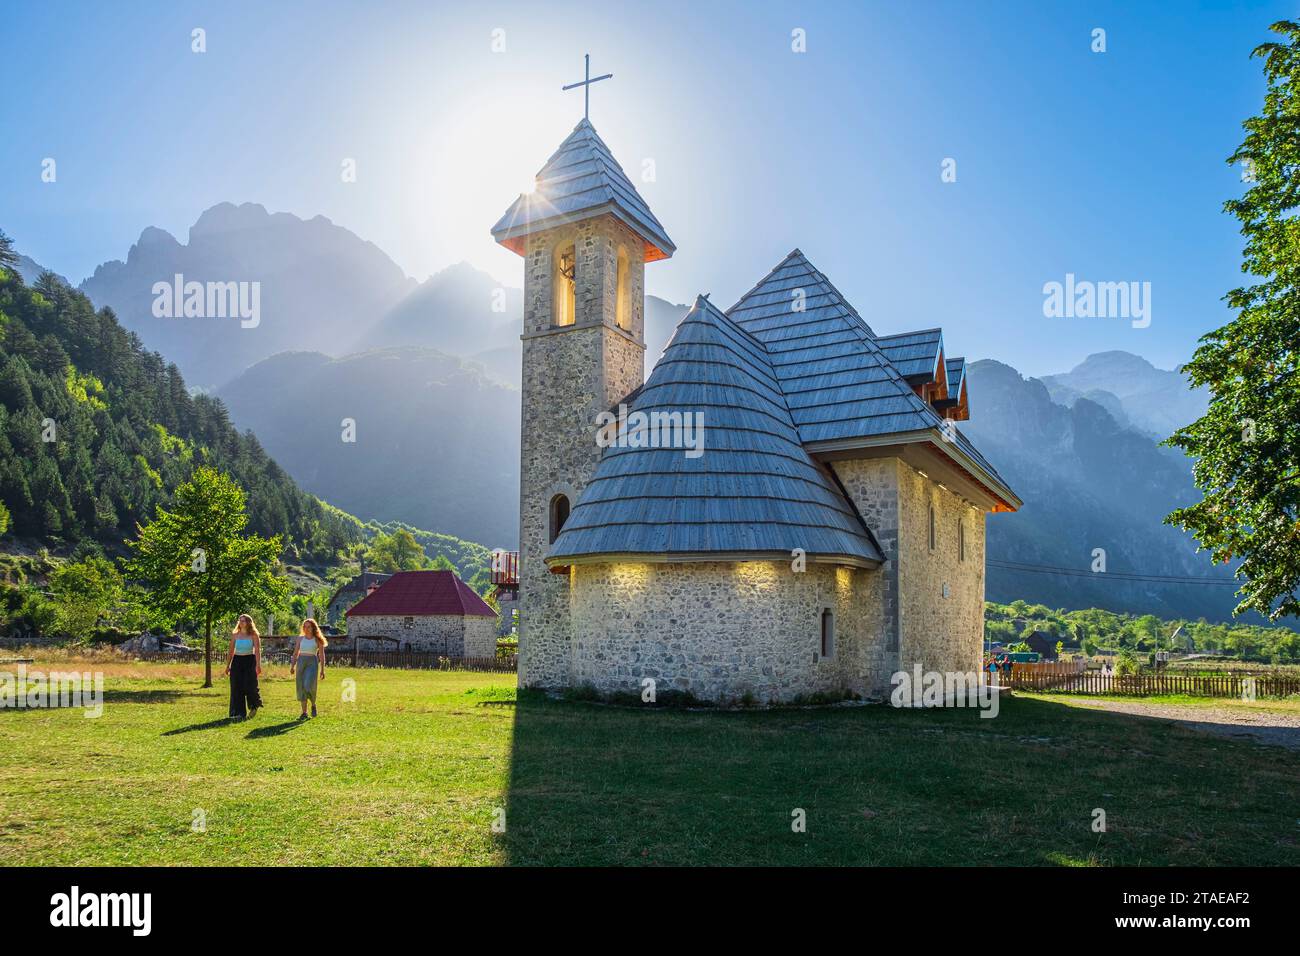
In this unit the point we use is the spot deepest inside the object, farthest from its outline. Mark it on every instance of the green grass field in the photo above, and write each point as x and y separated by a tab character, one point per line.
414	771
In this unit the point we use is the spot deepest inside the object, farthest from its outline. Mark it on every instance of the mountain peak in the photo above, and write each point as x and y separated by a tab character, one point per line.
227	217
1113	361
153	236
319	282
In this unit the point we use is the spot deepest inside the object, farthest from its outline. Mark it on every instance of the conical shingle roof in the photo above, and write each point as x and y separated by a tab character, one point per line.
753	492
582	180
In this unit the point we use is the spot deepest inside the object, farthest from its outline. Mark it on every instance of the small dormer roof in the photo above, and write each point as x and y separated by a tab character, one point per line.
916	355
582	180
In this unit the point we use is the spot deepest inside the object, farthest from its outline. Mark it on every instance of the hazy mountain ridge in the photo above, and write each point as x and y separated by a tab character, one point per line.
1155	401
436	440
322	286
318	282
1087	482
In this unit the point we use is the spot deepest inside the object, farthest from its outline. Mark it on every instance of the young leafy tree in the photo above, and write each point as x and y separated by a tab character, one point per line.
83	592
1247	444
398	551
197	564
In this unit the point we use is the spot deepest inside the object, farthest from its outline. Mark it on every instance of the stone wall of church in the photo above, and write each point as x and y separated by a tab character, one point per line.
933	600
570	375
450	634
721	630
872	484
941	595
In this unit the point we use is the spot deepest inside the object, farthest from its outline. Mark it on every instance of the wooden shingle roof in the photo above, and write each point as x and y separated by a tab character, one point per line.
582	180
754	492
840	384
789	371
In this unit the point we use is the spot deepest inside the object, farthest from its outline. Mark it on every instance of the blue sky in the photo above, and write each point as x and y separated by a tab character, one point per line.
1108	165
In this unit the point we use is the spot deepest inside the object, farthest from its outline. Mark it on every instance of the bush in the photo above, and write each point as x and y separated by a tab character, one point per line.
1126	665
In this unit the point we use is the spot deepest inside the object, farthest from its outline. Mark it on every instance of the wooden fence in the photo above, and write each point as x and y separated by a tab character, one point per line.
1053	678
421	660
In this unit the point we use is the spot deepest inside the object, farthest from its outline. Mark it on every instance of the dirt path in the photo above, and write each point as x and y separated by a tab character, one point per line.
1272	727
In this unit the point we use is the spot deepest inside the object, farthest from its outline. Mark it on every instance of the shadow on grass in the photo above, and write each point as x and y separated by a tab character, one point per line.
208	725
879	786
274	730
119	697
147	696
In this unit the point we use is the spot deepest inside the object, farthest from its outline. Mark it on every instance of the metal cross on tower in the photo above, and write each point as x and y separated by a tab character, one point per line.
586	85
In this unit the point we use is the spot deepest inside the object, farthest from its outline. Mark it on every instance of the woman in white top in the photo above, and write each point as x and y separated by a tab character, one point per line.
309	663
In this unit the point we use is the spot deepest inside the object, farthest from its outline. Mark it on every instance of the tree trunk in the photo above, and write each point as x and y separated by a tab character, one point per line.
207	654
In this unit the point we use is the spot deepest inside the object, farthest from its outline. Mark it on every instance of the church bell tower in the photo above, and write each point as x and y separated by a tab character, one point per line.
585	235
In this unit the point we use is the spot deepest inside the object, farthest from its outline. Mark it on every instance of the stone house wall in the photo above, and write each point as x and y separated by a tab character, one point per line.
480	636
451	634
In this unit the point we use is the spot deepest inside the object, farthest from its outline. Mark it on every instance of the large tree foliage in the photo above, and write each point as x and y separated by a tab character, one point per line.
197	563
1247	444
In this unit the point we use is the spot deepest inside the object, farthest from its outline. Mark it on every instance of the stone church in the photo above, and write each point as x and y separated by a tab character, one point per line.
828	533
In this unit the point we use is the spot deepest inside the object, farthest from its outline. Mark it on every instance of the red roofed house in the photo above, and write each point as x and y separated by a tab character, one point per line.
433	611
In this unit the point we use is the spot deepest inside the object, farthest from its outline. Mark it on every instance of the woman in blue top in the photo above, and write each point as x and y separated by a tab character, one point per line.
244	666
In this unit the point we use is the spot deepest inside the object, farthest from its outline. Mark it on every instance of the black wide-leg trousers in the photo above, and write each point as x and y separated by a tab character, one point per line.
244	694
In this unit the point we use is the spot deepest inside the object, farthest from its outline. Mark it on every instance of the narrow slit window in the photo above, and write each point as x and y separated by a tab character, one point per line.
623	304
961	541
828	634
932	530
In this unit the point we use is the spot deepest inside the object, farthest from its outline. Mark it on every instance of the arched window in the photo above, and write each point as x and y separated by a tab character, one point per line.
623	302
565	282
559	514
828	634
932	538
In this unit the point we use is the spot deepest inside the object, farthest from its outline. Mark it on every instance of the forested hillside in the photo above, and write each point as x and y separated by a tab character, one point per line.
95	431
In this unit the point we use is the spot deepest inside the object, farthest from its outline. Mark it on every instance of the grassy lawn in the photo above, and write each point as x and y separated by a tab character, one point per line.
414	770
